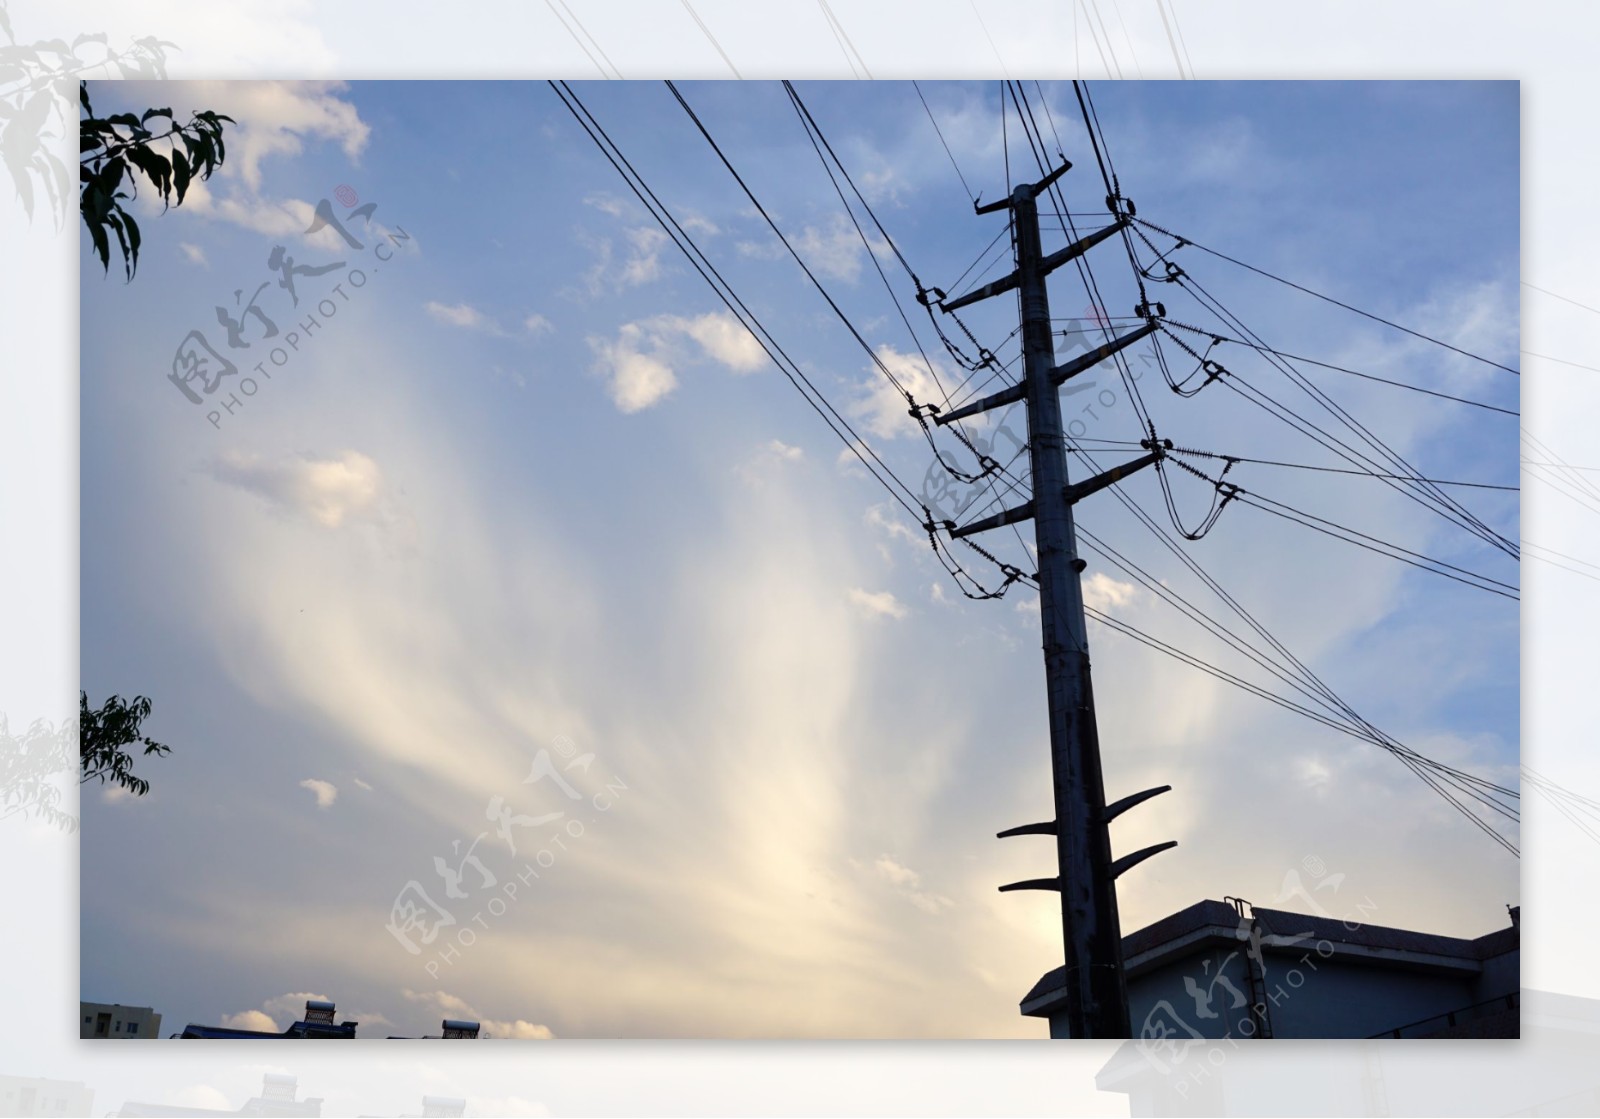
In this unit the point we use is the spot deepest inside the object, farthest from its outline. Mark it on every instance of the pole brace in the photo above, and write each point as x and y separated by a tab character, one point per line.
1128	862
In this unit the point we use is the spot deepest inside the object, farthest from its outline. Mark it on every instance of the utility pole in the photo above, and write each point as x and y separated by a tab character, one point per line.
1096	989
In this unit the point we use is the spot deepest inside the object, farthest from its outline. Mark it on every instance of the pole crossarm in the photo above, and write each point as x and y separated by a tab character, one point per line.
998	520
1059	375
1077	491
1045	266
1069	369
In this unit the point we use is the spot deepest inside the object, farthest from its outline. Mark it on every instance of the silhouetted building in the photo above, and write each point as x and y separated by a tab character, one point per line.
1221	971
318	1023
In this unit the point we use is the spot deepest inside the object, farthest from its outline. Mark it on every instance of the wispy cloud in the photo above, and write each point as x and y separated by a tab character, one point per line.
877	604
330	492
325	792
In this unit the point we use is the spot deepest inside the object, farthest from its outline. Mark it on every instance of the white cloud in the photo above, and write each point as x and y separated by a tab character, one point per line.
447	1005
360	784
468	317
881	604
1104	593
834	252
768	460
636	379
194	253
325	793
880	517
461	314
638	364
520	1029
723	337
606	204
879	405
908	884
271	119
251	1020
328	491
695	223
644	264
277	118
891	871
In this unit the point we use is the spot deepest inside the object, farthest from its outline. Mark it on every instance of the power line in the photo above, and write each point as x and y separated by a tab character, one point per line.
1336	469
729	298
1326	298
1217	338
940	132
1430	496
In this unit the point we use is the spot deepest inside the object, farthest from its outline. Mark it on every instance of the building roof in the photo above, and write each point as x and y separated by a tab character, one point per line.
1211	923
317	1023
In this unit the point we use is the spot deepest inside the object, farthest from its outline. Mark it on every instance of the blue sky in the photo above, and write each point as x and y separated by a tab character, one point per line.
528	489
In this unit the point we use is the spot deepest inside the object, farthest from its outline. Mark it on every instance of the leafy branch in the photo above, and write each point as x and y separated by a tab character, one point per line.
112	148
104	738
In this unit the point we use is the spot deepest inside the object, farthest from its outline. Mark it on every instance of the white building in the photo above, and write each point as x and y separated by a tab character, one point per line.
113	1020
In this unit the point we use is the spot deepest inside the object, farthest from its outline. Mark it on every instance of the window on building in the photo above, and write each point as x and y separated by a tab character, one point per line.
133	1027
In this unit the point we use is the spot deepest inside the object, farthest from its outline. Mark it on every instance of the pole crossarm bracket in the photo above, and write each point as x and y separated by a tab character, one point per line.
1046	266
1058	376
1033	884
1056	259
1024	191
1128	862
996	400
1114	810
1048	827
1069	369
1077	491
998	520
